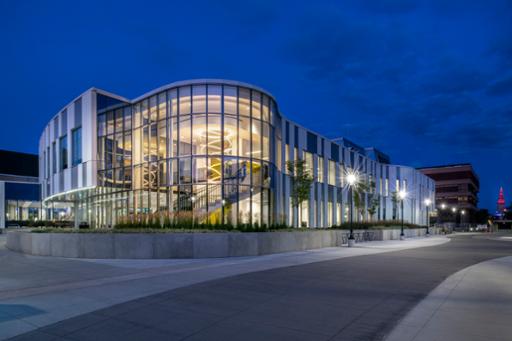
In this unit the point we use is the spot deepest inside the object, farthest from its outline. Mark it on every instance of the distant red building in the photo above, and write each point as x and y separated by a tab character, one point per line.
500	204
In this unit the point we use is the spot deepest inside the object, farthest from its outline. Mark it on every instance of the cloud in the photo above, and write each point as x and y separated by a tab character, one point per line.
501	87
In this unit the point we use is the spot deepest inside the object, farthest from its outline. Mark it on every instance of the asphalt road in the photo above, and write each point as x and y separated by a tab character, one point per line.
356	298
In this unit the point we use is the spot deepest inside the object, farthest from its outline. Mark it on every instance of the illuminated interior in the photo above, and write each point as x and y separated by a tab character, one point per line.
198	149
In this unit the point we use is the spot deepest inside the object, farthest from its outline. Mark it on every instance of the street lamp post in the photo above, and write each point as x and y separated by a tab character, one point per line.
427	205
402	195
351	180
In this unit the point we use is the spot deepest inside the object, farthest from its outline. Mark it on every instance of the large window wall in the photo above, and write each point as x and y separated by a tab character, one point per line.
202	151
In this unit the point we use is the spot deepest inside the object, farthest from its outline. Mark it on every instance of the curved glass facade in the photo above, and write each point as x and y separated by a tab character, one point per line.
202	151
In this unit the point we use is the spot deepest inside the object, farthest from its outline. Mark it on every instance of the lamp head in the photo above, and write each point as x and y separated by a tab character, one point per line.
454	209
443	206
428	202
351	179
402	194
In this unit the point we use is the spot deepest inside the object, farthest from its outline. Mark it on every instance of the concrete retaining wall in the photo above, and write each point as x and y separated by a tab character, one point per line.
187	245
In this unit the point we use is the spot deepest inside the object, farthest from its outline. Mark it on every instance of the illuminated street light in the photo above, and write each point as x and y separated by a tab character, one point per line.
402	195
443	206
352	180
462	212
427	205
454	209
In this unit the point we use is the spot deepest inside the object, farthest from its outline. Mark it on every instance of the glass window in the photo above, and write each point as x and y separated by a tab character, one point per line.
137	177
230	100
320	169
145	143
153	109
173	102
308	157
127	118
119	120
199	135
265	108
48	162
101	152
256	139
273	110
230	169
162	106
200	169
108	152
136	152
102	127
244	173
136	115
230	135
56	127
185	171
265	142
119	150
175	169
265	174
214	169
174	137
153	142
184	136
63	146
78	112
185	100
110	122
244	137
198	99
64	122
76	146
162	139
54	158
144	112
127	149
332	173
256	105
244	101
214	97
214	134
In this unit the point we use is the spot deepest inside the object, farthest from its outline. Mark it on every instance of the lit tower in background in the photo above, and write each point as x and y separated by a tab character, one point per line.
500	204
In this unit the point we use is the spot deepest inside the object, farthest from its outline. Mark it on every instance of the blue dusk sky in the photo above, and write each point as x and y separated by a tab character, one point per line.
428	82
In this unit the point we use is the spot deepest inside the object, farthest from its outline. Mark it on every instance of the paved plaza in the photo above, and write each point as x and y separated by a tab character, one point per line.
369	292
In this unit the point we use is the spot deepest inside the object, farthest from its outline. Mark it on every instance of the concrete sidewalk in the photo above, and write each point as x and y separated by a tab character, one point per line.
472	304
38	291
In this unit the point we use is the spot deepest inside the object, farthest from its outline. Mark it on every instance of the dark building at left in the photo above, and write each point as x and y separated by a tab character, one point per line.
19	188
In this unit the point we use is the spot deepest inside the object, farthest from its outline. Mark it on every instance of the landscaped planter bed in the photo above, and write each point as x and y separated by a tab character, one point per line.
159	245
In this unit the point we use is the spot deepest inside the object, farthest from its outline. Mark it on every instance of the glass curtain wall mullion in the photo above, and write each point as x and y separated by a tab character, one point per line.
251	155
208	185
222	194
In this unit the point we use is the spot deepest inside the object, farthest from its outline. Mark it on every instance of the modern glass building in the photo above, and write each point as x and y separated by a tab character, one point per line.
212	150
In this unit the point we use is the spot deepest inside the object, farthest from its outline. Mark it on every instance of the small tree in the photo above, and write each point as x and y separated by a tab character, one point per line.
361	189
301	182
373	200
